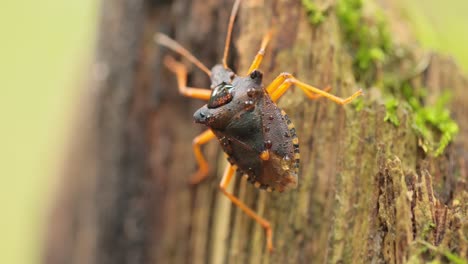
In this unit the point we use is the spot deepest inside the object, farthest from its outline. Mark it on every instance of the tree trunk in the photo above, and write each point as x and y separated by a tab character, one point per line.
367	191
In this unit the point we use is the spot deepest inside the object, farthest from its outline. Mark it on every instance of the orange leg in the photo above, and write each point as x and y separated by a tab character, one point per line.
313	96
202	172
181	74
281	84
261	52
228	173
278	81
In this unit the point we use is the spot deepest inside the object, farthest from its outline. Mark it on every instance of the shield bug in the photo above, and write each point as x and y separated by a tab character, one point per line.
258	137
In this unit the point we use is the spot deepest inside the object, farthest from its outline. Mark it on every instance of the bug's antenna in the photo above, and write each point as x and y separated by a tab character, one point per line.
228	36
166	41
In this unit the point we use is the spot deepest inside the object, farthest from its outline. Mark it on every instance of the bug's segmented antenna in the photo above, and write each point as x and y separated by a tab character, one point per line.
166	41
229	31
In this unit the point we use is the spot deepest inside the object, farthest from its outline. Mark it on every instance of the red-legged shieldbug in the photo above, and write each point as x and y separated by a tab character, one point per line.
257	136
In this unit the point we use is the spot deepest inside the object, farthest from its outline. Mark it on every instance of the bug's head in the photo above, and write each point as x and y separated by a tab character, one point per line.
220	75
230	98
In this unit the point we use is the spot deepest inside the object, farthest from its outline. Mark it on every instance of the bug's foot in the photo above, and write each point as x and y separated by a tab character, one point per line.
352	97
269	237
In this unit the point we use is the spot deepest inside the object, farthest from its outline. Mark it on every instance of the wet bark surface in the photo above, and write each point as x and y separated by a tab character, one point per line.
367	192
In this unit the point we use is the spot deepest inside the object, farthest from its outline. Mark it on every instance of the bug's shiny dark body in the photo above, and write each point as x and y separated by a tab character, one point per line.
247	122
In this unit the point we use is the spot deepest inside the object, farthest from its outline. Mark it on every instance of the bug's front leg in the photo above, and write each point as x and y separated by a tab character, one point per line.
181	73
203	168
261	52
228	173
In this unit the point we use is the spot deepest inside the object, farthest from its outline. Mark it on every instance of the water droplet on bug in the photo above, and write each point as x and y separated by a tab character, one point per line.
251	92
271	117
249	105
267	129
268	144
285	162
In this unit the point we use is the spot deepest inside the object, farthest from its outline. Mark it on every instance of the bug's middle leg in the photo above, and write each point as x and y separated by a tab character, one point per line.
228	173
261	52
202	172
181	74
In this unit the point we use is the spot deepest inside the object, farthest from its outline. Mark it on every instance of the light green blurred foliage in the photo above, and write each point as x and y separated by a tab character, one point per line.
368	38
441	25
369	43
44	54
45	47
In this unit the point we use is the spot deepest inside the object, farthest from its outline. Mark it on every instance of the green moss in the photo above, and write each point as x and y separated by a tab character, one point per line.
434	124
451	257
391	105
358	104
366	33
367	37
427	228
314	13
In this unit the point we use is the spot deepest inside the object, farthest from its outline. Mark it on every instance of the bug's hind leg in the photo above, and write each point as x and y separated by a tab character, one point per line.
281	84
278	81
310	89
278	84
202	172
181	73
261	52
228	173
313	96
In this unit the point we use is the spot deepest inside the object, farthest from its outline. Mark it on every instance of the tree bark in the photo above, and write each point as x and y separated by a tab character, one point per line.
367	192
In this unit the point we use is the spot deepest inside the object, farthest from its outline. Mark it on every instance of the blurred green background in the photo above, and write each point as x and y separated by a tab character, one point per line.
46	47
46	50
441	25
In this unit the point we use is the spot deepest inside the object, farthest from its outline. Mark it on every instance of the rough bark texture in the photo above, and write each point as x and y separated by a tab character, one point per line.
367	193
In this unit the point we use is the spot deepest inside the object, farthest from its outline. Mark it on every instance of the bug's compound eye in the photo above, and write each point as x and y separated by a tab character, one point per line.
221	95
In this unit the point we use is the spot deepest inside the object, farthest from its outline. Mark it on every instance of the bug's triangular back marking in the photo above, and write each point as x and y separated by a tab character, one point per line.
166	41
235	8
